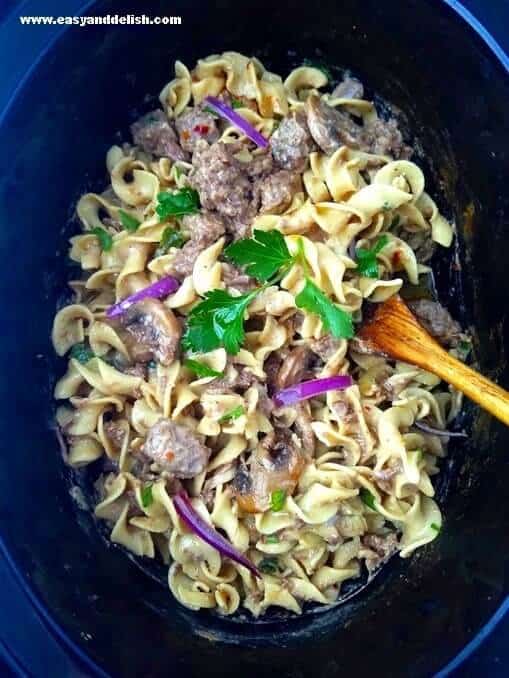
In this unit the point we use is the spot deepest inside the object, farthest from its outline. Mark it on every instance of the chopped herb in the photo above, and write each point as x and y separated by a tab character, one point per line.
171	237
232	414
105	239
82	353
178	203
367	498
210	111
300	257
336	321
129	222
464	347
146	496
321	67
277	500
366	259
200	369
268	565
237	103
435	527
386	206
272	539
217	321
178	172
263	255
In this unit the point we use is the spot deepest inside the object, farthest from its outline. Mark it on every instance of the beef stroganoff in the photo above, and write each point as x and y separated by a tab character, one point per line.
243	435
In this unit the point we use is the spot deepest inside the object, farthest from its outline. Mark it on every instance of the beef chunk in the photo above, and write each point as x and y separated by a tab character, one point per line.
292	143
196	125
235	279
204	229
176	449
277	191
382	137
154	134
437	321
381	547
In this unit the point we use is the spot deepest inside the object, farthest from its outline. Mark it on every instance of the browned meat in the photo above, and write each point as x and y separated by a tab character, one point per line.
195	125
277	190
292	143
383	137
349	88
421	243
150	331
325	347
271	367
276	464
237	379
234	279
437	321
176	449
136	370
330	128
294	368
260	165
385	476
204	229
382	548
115	433
154	135
303	428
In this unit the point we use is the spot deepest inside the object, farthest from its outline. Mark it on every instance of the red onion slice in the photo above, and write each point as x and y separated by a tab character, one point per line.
158	290
229	114
438	431
309	389
195	522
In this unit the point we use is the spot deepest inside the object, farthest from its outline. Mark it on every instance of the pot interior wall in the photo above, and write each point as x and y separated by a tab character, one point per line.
79	100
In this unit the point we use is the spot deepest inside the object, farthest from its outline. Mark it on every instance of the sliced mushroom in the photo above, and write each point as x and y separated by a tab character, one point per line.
176	449
276	464
294	368
329	127
151	331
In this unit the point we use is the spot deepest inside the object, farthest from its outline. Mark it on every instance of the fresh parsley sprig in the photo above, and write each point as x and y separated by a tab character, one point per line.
232	414
217	321
129	222
200	369
104	238
171	237
366	259
338	322
263	256
178	203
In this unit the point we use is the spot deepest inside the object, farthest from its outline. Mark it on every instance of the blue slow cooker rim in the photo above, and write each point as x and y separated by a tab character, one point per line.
78	8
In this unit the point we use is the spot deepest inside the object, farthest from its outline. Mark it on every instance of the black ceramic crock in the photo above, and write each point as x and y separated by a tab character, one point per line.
418	613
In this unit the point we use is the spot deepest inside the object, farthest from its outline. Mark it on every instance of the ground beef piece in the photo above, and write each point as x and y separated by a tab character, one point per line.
237	379
261	165
292	143
349	88
382	137
204	229
154	135
381	549
235	279
329	127
150	331
115	433
195	125
277	191
176	449
224	185
437	321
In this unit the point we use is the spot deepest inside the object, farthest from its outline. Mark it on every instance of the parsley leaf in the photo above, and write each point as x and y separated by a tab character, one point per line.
211	111
237	103
315	64
366	259
338	322
277	500
146	496
268	565
82	353
216	321
105	239
232	414
171	237
200	369
272	539
129	222
435	527
367	498
262	255
178	203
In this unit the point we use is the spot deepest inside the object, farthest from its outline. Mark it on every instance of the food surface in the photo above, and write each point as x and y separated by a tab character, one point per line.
237	429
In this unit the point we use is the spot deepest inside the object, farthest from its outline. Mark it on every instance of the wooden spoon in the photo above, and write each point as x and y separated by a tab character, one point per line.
395	331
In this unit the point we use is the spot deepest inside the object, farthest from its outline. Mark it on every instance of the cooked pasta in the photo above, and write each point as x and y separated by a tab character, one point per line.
315	492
